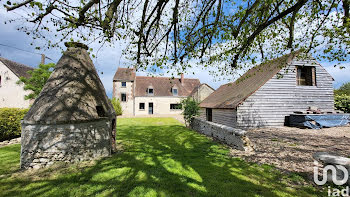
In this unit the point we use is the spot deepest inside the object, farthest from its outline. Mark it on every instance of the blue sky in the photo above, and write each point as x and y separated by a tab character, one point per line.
109	58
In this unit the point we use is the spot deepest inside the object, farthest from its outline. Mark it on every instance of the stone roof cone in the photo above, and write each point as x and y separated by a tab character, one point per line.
73	93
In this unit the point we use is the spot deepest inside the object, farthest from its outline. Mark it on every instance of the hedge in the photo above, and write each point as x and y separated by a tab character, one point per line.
10	122
342	102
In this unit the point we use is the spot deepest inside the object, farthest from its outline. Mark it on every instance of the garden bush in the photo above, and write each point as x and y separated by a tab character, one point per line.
10	122
342	102
191	109
117	107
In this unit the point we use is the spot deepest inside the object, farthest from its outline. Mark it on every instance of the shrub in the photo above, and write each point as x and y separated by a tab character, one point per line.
191	109
344	89
10	125
117	107
342	102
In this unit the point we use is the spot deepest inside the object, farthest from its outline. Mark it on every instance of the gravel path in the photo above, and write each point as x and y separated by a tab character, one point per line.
291	149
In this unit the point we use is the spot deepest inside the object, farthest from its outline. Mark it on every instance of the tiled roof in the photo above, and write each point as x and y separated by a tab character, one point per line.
232	94
126	74
162	86
196	88
19	69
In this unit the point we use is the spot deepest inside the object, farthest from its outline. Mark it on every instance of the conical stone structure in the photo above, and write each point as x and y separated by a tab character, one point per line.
72	119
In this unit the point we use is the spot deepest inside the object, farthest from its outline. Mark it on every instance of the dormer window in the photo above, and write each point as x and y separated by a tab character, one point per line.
150	90
174	90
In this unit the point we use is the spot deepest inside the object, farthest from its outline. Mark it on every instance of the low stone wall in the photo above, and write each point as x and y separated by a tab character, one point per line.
10	142
231	136
44	144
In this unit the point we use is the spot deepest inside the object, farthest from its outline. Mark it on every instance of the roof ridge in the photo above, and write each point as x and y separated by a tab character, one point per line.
15	62
165	77
19	69
223	96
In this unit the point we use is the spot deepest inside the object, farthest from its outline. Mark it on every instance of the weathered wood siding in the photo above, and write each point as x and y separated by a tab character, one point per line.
279	97
221	116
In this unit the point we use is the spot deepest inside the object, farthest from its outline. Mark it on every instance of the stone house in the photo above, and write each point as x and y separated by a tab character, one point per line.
201	92
11	93
269	92
72	119
141	95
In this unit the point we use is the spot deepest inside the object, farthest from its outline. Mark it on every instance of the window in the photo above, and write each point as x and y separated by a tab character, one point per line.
142	106
123	84
175	106
306	76
100	111
123	97
150	90
209	114
174	91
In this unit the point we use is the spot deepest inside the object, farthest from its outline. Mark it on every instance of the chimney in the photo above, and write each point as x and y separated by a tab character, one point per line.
42	59
182	78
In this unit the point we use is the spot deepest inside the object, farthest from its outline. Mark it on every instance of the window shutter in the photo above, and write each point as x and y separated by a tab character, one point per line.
313	70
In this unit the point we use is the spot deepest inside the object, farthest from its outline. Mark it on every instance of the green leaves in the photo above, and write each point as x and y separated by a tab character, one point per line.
38	78
191	109
10	122
342	102
117	107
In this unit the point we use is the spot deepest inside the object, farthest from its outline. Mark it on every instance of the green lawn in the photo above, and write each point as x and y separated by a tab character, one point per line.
159	157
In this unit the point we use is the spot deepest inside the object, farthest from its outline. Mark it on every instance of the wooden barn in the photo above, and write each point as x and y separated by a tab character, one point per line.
269	92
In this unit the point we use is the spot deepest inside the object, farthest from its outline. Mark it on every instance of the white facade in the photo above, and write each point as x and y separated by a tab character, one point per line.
11	93
131	107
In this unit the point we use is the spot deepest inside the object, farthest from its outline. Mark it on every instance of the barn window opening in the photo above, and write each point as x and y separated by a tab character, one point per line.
123	97
209	114
100	111
142	106
175	106
306	76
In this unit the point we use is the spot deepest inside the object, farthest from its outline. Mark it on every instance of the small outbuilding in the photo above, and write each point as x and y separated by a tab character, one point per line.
72	119
269	92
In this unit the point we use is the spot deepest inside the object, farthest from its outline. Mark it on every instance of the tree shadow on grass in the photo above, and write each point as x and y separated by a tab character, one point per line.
159	159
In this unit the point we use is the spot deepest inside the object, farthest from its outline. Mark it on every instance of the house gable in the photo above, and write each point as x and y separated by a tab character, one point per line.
232	94
281	96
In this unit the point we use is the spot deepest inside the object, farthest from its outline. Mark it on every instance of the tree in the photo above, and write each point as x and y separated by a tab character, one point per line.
37	80
117	107
191	109
220	33
344	89
342	102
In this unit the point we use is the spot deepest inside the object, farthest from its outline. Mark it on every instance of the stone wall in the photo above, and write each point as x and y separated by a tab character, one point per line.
233	137
128	105
44	144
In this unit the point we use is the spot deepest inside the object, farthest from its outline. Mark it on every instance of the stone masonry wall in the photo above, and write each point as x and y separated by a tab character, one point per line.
44	144
231	136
